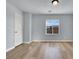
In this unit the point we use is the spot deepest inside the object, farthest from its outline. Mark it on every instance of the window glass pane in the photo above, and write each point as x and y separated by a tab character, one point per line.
52	22
52	26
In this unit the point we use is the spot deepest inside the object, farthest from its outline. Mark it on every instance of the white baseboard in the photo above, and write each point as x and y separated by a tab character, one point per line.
10	49
27	42
52	40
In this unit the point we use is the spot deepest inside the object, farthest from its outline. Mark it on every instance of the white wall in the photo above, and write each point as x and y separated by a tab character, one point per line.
10	16
38	27
27	27
66	27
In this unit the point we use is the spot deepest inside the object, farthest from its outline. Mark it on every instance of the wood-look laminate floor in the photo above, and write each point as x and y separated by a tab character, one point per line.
42	51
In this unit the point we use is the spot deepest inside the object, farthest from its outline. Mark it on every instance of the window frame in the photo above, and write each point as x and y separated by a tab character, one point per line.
52	33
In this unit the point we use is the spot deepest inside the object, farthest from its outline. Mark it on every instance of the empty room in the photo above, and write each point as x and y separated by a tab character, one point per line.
39	29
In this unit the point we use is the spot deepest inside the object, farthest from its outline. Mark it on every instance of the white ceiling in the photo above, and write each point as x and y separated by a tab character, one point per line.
43	6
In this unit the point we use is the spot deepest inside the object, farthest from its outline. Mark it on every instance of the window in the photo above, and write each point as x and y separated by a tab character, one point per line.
52	26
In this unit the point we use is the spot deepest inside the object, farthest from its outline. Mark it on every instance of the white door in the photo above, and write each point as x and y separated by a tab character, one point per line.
18	29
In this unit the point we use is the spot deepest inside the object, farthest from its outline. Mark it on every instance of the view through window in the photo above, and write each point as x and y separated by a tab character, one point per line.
52	26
